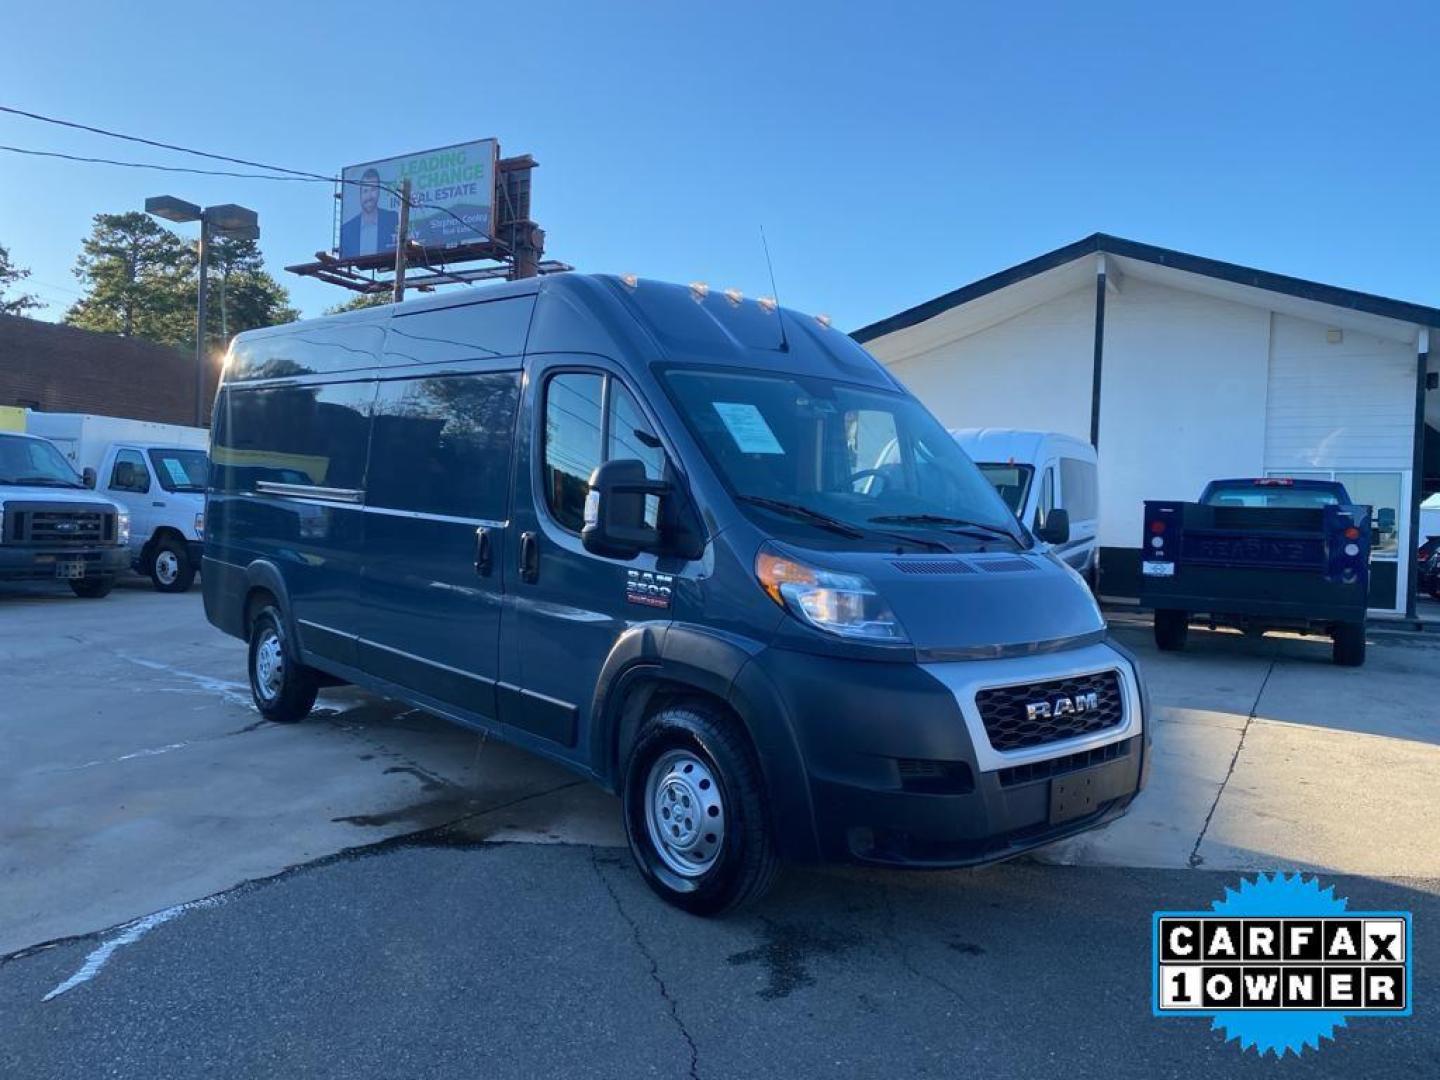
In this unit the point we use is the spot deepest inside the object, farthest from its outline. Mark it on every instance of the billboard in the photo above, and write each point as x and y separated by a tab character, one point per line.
459	179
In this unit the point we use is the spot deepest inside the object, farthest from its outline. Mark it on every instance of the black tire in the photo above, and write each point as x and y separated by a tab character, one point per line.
171	570
1171	629
1347	644
742	861
283	688
92	588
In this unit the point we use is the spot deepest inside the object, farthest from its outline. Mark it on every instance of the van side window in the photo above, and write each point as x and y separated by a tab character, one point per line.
469	332
313	350
1079	483
129	472
315	435
572	443
577	440
441	444
631	436
1045	501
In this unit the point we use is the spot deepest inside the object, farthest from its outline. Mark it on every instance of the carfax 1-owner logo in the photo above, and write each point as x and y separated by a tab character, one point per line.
1279	964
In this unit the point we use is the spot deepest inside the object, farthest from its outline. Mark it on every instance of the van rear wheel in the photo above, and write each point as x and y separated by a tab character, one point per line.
1171	629
695	812
283	689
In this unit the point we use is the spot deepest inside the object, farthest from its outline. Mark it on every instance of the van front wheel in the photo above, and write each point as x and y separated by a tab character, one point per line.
695	812
283	688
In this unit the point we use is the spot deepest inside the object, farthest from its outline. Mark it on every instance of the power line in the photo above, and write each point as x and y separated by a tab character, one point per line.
291	174
161	168
297	173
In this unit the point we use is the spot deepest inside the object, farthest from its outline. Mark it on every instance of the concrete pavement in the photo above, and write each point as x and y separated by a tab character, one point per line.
135	775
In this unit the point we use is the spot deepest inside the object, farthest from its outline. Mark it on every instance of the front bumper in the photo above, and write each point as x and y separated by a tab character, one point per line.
27	563
900	772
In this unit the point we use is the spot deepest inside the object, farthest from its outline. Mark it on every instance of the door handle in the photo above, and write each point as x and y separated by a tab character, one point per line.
483	555
529	557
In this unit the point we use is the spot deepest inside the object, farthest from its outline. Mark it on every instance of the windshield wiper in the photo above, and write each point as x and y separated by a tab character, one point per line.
953	523
825	521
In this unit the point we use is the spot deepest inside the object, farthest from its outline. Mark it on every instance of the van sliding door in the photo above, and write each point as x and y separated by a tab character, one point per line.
436	508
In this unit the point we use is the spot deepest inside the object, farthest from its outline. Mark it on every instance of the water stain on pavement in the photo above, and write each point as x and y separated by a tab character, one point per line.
785	955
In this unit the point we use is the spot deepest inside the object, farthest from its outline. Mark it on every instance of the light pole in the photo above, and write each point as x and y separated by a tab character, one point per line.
228	220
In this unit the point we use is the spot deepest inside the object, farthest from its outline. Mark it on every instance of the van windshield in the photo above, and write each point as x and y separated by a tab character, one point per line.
837	459
1011	481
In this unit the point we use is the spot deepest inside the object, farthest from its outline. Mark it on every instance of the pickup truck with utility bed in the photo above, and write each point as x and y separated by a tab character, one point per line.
1263	553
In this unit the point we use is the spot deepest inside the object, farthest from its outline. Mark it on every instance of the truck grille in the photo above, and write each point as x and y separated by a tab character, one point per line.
1063	710
32	523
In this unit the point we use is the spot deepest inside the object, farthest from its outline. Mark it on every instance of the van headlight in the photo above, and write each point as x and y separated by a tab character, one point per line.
843	604
122	527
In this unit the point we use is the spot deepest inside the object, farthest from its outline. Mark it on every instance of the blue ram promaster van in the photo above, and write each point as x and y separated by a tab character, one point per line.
660	534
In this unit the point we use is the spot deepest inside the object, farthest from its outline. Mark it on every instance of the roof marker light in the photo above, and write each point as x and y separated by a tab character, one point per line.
734	296
630	280
823	320
767	304
699	290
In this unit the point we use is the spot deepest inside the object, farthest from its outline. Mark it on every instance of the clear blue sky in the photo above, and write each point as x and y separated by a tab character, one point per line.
892	151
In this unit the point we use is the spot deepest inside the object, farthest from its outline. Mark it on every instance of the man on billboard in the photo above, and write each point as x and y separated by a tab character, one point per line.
373	229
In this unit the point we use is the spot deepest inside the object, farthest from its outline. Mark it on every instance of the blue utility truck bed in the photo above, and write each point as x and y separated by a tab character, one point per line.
1264	553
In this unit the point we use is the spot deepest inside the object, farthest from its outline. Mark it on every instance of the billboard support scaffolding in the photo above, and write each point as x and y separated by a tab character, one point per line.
403	240
440	210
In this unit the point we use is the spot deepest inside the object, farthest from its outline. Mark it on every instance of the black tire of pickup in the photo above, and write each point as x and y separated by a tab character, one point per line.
93	588
1347	644
1171	629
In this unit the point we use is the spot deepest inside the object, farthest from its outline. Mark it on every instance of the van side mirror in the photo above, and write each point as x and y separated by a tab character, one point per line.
87	477
615	510
1056	527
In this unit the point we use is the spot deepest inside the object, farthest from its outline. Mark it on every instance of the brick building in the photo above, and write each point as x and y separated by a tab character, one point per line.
57	368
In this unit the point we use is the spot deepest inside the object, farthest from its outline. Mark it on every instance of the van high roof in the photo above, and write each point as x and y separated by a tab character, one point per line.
629	317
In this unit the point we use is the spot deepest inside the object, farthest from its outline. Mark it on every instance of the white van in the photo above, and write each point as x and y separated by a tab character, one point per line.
1038	471
155	471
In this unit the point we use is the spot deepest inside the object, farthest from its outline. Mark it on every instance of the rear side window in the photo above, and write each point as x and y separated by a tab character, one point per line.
471	332
314	435
309	349
441	444
1079	483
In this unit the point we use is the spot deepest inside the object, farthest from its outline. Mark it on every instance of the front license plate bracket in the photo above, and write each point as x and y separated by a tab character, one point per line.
1073	796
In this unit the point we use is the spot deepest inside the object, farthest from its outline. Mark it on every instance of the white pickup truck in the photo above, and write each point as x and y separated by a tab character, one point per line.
156	471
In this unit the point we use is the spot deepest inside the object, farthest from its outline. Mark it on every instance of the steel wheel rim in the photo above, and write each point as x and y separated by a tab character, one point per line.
167	567
684	813
269	665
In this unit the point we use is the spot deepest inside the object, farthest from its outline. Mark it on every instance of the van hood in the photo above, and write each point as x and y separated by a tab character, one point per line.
73	496
972	605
